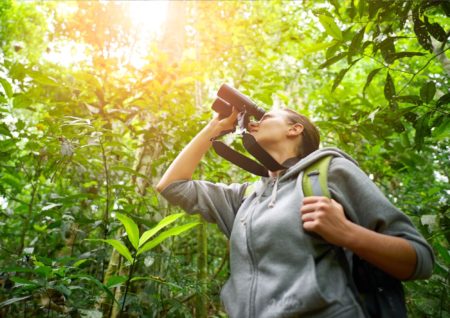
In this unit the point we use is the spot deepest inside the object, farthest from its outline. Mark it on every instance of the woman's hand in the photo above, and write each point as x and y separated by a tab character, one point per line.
326	218
229	123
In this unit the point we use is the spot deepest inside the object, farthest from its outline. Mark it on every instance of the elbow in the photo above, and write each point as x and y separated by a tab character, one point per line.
424	264
160	187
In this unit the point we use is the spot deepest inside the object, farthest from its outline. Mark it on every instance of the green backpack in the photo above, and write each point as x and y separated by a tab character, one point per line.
379	294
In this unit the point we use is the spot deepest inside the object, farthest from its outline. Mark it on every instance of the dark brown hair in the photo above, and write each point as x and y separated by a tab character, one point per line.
311	137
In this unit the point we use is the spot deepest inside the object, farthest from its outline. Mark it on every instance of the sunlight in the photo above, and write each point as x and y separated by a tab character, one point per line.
148	16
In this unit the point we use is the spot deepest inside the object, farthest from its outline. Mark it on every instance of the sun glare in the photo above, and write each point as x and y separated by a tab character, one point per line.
148	16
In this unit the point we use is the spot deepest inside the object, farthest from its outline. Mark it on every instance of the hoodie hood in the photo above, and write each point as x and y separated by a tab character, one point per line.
297	168
313	157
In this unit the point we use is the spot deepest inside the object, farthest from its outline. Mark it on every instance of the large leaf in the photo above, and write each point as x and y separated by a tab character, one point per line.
13	300
333	60
443	130
423	130
163	223
131	228
389	88
330	27
387	49
410	99
115	281
400	55
6	87
339	78
341	75
41	78
436	30
370	78
177	230
427	91
356	43
4	130
119	246
443	100
421	32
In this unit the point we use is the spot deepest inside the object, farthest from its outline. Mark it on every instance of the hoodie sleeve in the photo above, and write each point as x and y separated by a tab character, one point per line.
216	202
366	205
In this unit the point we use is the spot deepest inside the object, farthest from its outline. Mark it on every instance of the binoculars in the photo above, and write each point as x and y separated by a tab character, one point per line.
229	97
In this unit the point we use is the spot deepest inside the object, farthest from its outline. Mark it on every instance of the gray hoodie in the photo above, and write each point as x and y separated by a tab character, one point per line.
278	269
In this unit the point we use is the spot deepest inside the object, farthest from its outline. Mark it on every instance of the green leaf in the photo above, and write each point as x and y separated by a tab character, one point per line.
389	88
339	78
24	282
318	47
330	27
115	281
436	30
130	170
11	180
356	42
177	230
6	87
410	99
42	79
400	55
443	130
163	223
4	130
333	60
119	246
131	228
13	300
443	100
81	262
361	8
427	91
422	130
387	49
421	32
370	78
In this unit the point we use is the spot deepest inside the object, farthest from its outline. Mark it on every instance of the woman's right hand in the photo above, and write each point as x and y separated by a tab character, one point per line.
224	124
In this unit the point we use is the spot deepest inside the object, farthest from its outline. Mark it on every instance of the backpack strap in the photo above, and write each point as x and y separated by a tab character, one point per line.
315	182
315	178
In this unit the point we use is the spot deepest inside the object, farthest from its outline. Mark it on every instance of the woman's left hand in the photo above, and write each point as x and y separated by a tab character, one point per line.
326	218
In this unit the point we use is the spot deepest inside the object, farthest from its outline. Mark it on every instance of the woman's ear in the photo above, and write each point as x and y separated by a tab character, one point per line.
295	130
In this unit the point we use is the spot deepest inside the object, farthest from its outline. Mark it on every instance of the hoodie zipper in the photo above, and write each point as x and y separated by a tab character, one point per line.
248	226
253	263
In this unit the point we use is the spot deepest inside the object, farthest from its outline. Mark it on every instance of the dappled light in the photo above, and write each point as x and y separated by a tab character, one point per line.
97	98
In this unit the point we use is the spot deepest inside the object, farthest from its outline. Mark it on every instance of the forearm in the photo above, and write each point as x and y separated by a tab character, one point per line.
188	159
185	163
394	255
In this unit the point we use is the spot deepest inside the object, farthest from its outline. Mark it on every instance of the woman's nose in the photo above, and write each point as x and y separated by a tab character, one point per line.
252	125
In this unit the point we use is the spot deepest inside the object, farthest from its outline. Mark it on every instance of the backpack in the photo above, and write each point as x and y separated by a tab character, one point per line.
379	294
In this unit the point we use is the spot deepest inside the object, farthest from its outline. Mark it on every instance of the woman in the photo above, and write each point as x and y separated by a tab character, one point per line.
282	258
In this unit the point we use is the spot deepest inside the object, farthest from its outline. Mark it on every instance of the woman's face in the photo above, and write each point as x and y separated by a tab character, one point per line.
272	128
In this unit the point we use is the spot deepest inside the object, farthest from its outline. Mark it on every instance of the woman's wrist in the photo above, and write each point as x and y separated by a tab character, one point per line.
212	129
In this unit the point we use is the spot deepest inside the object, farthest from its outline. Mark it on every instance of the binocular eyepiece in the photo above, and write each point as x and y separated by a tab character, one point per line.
229	97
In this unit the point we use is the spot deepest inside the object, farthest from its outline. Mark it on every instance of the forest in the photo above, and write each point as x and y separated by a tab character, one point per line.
98	97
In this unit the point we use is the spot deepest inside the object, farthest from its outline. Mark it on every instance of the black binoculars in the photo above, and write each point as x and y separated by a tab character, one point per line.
229	97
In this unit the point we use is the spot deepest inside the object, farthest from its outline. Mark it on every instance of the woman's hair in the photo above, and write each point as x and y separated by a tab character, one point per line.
311	137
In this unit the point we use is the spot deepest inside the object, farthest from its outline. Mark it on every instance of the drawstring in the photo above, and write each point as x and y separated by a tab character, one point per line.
274	194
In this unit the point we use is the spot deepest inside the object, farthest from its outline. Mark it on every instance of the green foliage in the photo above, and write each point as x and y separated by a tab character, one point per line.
141	245
81	143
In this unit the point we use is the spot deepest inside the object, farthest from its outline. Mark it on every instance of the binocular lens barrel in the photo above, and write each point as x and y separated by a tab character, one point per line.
229	97
222	107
